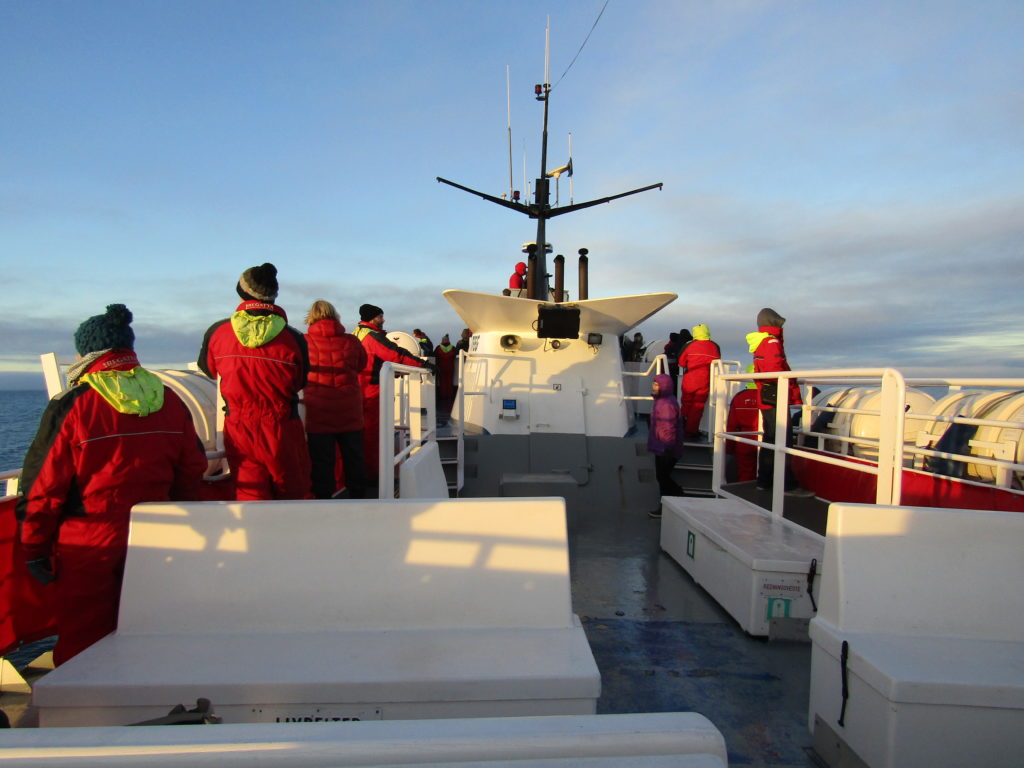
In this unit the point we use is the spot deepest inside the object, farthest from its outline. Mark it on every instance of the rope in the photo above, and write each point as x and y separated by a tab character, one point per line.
599	15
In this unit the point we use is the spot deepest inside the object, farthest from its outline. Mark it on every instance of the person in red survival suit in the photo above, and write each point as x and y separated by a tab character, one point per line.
769	356
517	281
695	365
445	355
334	402
744	416
116	437
262	363
379	350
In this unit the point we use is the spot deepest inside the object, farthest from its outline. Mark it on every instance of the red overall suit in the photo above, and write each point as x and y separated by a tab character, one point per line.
117	439
262	363
695	365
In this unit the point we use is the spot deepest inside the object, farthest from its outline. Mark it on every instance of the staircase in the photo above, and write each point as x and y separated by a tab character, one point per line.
693	470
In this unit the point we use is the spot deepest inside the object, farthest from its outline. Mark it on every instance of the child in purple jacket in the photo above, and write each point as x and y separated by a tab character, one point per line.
665	436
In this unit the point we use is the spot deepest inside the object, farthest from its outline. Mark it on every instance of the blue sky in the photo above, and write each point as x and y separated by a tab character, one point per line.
856	166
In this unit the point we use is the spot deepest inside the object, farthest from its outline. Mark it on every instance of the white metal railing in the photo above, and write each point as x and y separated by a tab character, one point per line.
658	365
460	424
718	368
891	444
11	479
408	419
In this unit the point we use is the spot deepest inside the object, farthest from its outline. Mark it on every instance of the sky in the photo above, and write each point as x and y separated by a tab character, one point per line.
857	166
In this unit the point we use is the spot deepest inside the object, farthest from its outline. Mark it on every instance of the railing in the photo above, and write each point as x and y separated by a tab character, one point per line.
890	447
460	423
718	368
408	419
11	479
658	365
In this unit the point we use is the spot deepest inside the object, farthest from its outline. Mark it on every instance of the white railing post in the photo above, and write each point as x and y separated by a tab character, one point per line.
720	406
386	434
56	382
890	438
780	446
460	397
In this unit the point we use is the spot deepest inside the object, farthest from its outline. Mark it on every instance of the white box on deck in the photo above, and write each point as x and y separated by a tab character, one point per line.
754	566
930	604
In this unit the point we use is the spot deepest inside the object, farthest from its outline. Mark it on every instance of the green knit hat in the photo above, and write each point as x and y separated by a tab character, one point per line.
111	330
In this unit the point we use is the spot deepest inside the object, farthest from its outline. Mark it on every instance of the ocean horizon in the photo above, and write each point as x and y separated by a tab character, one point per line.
23	381
20	411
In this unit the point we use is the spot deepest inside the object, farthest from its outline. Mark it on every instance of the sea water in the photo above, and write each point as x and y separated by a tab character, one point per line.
20	411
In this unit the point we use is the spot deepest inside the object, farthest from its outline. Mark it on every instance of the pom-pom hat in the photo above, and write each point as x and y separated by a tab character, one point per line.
259	283
111	330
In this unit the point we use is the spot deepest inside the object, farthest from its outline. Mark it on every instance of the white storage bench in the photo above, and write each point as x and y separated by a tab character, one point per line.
337	610
658	740
930	603
754	566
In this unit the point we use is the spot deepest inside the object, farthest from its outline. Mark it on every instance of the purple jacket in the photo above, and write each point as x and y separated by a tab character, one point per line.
666	430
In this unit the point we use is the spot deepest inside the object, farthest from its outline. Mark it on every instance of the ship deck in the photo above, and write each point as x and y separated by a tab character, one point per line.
663	644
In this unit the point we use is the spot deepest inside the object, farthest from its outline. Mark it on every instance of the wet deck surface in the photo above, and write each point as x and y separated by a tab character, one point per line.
811	513
663	644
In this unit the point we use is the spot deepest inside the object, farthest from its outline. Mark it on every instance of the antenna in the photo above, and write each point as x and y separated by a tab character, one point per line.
508	99
547	51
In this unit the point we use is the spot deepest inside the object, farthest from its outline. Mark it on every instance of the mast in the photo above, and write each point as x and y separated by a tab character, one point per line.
540	209
542	198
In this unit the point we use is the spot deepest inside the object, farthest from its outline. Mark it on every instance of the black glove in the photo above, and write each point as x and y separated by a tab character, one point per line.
41	569
432	367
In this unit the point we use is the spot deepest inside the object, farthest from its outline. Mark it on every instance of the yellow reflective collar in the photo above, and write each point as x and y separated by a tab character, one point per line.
138	391
755	338
256	330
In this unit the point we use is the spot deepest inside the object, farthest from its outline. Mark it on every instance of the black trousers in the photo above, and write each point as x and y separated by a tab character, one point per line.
321	454
663	466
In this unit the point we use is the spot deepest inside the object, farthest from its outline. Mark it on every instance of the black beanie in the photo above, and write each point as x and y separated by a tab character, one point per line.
368	312
111	330
259	283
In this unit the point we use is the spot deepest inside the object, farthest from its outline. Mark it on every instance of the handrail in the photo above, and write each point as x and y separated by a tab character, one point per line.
892	444
416	421
659	365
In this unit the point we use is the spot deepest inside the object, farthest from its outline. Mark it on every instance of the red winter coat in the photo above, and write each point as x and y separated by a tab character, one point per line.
744	416
333	397
262	367
770	355
517	281
695	364
445	357
379	350
88	465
